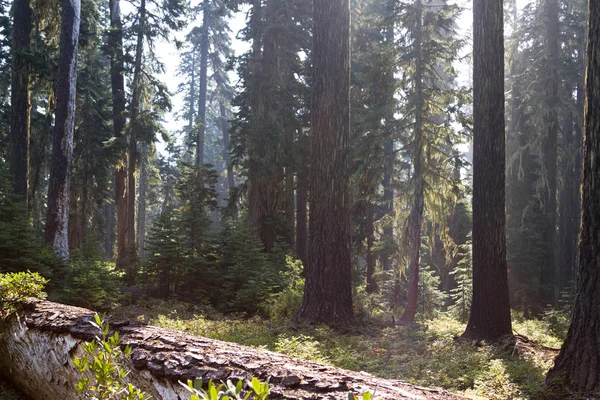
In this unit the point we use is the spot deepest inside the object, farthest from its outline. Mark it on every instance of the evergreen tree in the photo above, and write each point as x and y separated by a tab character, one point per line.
20	96
490	308
57	216
328	289
432	104
575	367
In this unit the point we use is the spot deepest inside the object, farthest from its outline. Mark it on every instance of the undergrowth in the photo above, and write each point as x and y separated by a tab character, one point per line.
427	356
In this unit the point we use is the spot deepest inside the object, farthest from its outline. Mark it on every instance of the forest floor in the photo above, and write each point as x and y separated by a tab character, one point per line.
429	355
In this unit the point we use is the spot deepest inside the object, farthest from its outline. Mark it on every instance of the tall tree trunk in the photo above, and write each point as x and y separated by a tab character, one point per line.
415	219
568	205
204	43
289	187
266	174
328	289
225	132
143	189
109	215
576	367
549	149
301	200
191	110
20	98
57	216
117	70
388	150
130	270
490	308
372	286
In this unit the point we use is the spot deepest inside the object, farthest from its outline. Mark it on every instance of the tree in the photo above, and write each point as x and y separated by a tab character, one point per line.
117	78
328	289
20	102
57	216
490	308
576	366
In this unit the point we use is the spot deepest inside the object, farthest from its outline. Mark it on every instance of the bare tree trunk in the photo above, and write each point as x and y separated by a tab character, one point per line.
415	219
57	217
490	308
328	289
388	150
549	148
266	173
225	132
372	286
576	367
19	97
117	70
141	220
130	268
301	201
204	42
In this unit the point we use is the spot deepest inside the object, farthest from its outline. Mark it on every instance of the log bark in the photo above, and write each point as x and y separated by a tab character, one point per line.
37	345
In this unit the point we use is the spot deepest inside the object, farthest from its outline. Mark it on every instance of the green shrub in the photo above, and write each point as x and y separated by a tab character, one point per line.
228	391
249	276
103	360
284	304
89	283
21	248
16	288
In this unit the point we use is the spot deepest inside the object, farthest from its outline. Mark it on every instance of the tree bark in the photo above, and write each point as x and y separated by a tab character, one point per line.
301	201
372	285
415	219
143	189
490	308
225	132
576	367
117	70
204	43
20	98
57	216
36	350
549	149
328	288
130	265
388	149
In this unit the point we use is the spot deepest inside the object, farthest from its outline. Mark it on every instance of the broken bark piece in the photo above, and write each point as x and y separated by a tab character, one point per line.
37	346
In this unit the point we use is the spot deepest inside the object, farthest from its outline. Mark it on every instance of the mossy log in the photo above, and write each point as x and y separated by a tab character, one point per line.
38	343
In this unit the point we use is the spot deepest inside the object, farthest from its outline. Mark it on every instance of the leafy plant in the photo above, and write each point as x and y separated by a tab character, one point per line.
363	396
103	361
15	288
228	391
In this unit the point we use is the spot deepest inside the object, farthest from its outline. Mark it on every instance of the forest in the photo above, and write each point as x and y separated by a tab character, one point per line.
404	188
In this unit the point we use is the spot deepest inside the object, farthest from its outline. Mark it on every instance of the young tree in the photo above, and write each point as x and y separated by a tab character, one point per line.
328	289
57	216
20	103
576	366
490	308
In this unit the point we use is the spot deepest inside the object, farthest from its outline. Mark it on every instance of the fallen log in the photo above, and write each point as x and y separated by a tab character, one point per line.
38	343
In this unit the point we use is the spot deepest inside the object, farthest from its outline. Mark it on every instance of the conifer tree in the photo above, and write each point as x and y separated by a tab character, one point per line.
490	308
57	216
328	289
576	367
429	49
20	96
